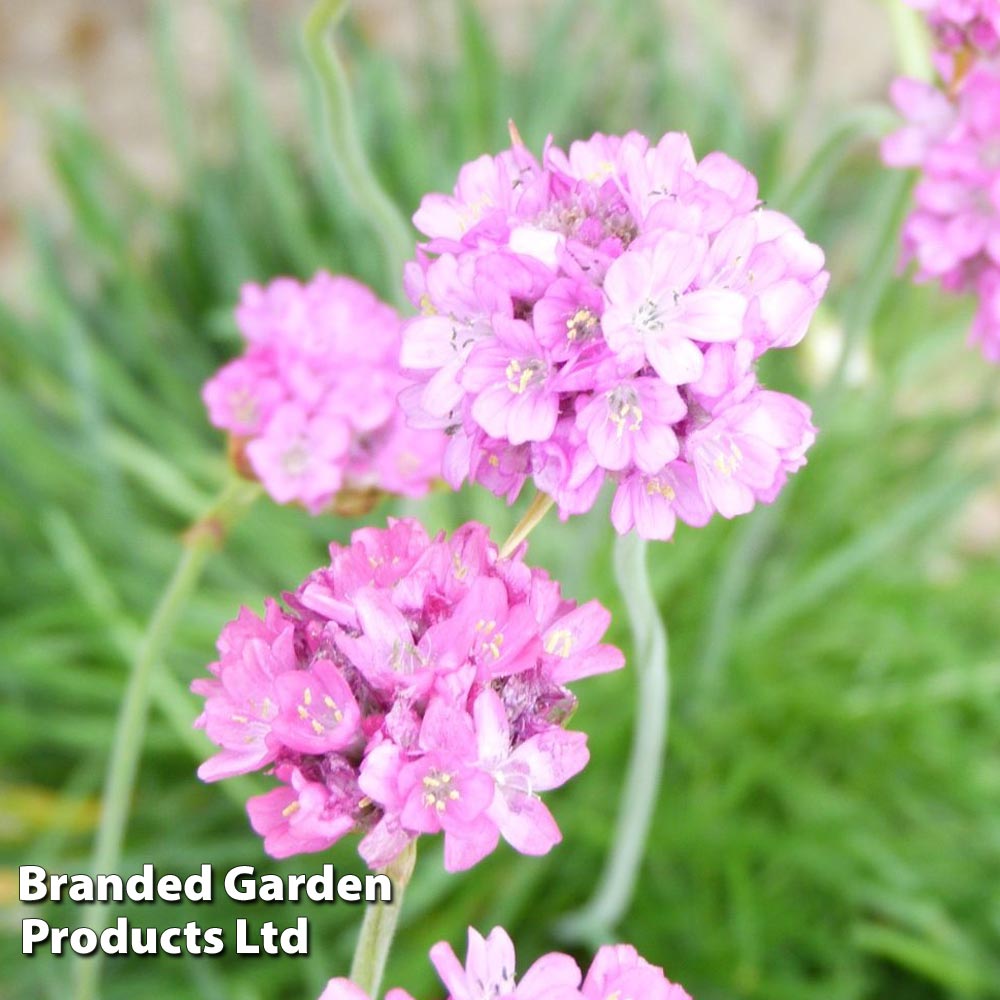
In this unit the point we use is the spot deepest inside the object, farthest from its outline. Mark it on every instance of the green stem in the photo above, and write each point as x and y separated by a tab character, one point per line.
379	926
200	541
596	922
348	151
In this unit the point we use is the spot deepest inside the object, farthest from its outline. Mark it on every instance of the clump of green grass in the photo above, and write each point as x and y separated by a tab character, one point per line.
828	824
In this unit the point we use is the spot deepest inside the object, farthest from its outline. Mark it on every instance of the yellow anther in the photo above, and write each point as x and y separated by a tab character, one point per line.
559	642
656	488
727	464
624	410
472	213
494	461
317	727
519	376
303	712
437	793
290	808
328	701
603	169
426	306
581	325
307	697
239	718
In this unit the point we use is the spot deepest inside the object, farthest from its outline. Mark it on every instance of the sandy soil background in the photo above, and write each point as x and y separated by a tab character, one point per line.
96	55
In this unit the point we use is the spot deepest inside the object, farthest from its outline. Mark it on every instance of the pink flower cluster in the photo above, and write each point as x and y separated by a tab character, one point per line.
963	24
312	402
597	315
413	686
953	136
617	971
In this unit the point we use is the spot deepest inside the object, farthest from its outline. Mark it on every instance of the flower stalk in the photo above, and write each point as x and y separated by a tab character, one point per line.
379	926
205	536
346	146
597	920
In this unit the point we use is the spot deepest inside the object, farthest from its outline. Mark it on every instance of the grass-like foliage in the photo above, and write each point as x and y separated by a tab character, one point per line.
829	825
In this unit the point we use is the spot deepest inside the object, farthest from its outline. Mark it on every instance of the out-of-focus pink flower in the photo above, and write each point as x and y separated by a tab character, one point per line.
416	685
952	135
312	404
585	314
963	24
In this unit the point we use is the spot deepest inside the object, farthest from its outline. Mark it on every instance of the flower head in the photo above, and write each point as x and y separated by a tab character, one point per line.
963	24
344	989
620	971
311	404
416	685
586	316
952	134
490	973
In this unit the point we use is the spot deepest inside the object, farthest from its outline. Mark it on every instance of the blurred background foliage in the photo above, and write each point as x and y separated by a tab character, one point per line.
829	825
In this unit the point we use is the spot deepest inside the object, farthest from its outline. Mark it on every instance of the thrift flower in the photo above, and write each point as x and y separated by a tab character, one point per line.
489	971
344	989
597	315
311	404
617	972
952	135
963	24
415	685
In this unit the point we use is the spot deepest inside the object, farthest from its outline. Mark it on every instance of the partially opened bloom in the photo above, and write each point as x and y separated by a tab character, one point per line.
311	404
597	315
415	685
490	973
952	135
